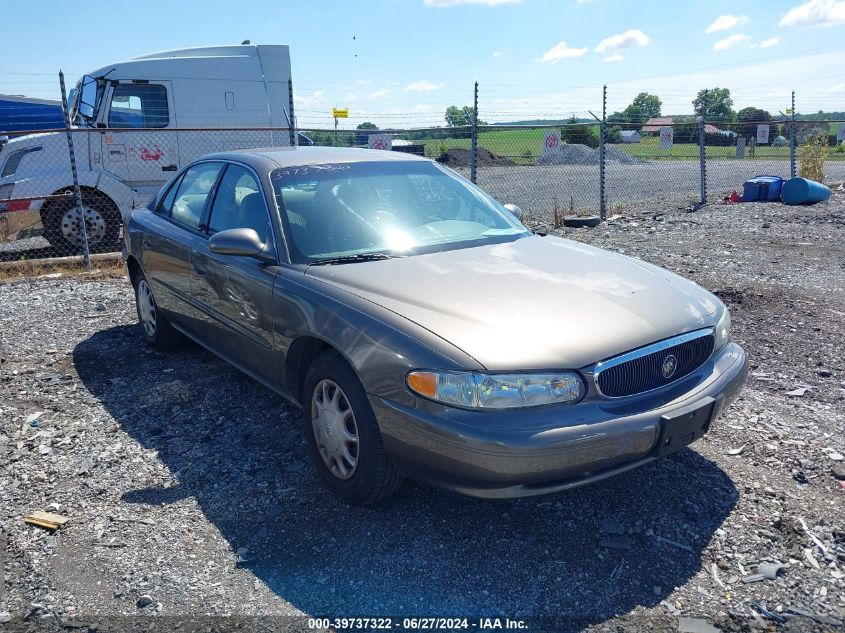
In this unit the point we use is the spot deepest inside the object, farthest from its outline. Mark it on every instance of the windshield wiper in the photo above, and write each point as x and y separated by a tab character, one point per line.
352	259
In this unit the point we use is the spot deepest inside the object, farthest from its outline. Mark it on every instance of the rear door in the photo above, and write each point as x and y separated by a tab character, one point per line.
178	233
141	147
235	293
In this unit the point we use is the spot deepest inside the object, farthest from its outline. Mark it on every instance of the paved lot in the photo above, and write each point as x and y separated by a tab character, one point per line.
171	466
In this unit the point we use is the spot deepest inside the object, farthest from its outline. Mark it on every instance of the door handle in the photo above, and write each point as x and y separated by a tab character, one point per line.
199	270
168	168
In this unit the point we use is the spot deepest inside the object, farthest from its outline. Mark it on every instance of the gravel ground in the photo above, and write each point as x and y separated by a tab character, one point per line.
189	494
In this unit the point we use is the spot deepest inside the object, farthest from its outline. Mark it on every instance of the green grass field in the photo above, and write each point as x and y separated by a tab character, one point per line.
525	146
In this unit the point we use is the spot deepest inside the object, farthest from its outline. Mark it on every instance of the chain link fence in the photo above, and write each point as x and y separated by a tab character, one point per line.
551	171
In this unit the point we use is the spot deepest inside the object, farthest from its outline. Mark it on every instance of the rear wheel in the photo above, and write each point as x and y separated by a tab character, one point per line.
343	436
63	222
156	328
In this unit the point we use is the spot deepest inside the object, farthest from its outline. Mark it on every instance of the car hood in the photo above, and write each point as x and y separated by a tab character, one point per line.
534	303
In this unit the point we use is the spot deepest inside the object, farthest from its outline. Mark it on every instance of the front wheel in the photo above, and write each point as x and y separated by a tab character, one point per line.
343	436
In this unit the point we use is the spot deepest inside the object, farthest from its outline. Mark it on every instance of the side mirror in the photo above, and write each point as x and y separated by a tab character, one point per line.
244	242
87	97
515	210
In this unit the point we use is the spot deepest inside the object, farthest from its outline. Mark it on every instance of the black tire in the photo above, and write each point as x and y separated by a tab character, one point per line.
63	230
161	336
374	478
578	221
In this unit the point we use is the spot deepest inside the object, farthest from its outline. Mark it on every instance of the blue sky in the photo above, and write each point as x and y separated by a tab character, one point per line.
401	62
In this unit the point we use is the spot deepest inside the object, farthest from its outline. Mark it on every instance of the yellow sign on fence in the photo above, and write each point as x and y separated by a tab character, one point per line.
340	113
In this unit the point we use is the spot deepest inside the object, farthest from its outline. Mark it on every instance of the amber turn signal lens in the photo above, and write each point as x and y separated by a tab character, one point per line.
423	382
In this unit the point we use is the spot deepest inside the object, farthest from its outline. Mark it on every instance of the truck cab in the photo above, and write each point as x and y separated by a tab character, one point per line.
134	123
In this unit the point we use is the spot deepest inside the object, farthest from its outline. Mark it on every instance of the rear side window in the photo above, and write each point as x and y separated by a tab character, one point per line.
191	195
239	203
139	106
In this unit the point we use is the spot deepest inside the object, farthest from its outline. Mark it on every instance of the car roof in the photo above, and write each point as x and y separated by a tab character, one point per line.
273	157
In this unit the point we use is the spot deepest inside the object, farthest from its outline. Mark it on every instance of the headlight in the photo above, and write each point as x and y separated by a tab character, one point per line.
474	390
722	331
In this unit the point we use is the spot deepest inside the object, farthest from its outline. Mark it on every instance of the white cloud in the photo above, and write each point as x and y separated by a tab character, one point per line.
499	54
730	42
423	86
616	57
725	22
631	37
444	4
315	98
815	13
772	41
560	51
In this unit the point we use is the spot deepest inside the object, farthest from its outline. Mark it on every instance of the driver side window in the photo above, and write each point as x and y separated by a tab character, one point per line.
239	203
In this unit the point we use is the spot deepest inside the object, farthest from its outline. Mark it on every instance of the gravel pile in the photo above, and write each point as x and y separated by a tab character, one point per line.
188	491
577	154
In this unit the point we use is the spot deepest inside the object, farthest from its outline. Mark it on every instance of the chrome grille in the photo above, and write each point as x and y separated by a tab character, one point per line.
642	369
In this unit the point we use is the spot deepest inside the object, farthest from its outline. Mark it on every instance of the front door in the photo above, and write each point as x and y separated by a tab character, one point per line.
168	251
140	147
235	293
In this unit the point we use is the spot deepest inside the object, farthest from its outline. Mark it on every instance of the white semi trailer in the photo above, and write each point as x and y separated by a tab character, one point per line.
143	119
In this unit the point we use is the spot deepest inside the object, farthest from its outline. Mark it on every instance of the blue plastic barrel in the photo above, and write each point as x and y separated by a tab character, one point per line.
803	191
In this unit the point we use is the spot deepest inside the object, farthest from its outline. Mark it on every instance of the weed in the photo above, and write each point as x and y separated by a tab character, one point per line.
811	156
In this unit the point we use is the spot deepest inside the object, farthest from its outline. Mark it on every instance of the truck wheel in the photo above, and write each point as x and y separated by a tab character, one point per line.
62	221
343	435
157	331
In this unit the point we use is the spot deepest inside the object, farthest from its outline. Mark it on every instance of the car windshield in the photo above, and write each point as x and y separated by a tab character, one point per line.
393	207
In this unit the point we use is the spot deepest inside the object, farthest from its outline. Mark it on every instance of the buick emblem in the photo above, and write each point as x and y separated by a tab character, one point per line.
670	364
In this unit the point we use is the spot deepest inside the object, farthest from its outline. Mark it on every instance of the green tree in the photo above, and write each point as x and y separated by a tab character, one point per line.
649	106
579	133
749	118
456	117
714	104
362	137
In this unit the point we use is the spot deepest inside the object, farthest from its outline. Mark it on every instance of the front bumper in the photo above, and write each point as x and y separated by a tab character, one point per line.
538	451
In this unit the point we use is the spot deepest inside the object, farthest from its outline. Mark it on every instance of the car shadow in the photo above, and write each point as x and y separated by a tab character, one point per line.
238	449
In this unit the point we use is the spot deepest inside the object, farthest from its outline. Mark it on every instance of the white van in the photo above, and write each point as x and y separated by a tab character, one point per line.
145	118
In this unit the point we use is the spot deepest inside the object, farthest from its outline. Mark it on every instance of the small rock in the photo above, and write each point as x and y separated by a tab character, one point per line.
695	625
766	225
835	456
5	617
144	601
100	307
770	571
797	392
825	373
838	471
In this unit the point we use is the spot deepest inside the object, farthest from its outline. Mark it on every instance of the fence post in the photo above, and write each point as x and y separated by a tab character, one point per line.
292	119
474	152
77	193
602	155
702	155
792	139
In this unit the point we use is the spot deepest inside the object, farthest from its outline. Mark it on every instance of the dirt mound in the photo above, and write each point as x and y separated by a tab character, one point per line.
463	158
577	154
